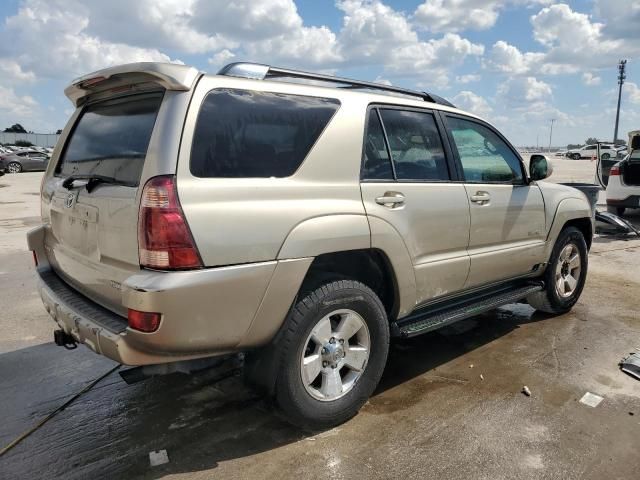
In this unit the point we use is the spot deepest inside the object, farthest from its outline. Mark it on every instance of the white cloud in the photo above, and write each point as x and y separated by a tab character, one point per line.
12	73
469	101
507	58
156	24
590	79
572	39
621	18
246	20
382	81
461	15
519	91
468	78
374	33
221	58
49	39
15	108
632	92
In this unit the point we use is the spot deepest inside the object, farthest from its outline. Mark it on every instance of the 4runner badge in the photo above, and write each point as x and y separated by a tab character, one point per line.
70	200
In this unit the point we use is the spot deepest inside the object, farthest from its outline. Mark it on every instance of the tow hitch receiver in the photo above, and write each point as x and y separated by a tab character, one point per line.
63	339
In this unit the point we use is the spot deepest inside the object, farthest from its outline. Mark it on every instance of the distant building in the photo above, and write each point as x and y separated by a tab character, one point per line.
38	139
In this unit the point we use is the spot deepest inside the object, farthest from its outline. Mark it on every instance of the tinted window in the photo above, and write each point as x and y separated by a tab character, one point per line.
416	148
111	138
256	134
377	164
485	157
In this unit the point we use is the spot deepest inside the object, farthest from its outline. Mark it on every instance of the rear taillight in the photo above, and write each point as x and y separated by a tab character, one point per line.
615	170
143	321
164	239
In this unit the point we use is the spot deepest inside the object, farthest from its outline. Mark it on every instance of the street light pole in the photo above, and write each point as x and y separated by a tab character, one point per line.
622	65
551	133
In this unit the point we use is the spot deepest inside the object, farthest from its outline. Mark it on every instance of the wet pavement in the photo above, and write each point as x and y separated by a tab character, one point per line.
433	416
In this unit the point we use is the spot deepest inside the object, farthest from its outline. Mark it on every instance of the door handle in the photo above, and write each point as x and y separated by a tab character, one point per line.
481	198
391	199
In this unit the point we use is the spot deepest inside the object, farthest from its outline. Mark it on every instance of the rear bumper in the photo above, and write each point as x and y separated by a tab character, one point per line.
204	312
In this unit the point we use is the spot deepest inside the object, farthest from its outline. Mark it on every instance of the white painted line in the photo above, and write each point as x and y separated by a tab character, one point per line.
159	457
591	399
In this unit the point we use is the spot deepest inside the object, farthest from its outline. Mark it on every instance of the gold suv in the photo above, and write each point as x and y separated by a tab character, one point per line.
302	219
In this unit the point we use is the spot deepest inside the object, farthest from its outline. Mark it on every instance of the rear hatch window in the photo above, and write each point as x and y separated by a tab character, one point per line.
243	133
111	139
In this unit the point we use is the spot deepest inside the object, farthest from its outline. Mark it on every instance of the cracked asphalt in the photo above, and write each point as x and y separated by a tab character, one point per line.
449	405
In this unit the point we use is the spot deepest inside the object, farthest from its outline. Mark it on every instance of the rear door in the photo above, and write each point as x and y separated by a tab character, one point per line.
92	240
407	182
507	235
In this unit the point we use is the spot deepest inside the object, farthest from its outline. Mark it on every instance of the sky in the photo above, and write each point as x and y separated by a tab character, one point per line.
517	63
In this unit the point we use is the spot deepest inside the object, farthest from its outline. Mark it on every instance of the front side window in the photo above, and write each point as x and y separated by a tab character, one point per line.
485	157
415	144
242	133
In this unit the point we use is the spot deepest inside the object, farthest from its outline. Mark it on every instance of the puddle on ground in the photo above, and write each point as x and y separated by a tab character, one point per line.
410	394
16	223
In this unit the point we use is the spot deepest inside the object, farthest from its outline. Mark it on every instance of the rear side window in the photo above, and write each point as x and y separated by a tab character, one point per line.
111	138
415	144
243	133
377	164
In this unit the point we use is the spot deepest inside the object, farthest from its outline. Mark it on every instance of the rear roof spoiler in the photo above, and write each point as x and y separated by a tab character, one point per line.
170	76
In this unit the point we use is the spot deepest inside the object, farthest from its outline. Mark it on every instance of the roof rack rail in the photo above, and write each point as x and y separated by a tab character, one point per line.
259	71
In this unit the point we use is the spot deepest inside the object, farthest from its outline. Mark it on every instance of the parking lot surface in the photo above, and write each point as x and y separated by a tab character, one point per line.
449	405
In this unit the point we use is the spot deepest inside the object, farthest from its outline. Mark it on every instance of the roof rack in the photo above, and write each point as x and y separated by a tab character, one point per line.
259	71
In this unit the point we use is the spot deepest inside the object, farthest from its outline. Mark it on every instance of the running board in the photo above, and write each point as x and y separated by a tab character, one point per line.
429	319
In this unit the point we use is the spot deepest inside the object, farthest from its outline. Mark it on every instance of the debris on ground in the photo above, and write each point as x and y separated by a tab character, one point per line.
471	366
481	377
591	399
631	365
526	391
158	457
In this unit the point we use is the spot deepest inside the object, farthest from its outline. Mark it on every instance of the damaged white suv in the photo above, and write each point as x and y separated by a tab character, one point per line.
301	218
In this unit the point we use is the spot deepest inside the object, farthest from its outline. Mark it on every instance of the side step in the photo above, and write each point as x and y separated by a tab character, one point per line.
436	316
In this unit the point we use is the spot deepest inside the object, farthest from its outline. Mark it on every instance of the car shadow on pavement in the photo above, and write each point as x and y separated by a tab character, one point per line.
109	431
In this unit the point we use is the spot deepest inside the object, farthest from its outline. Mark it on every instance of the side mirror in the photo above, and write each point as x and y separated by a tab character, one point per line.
540	167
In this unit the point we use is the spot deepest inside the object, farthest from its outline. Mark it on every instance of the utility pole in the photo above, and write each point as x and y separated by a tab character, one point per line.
551	133
622	65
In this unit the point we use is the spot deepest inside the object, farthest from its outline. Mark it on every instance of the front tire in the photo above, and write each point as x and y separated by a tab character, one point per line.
565	275
333	353
14	167
576	156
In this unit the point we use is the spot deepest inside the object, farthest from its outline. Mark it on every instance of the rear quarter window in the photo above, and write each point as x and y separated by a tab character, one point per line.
242	133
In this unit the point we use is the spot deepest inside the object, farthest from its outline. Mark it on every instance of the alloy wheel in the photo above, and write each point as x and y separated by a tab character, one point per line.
335	355
568	268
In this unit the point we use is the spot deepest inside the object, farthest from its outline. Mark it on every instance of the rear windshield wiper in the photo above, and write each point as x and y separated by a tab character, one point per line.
92	181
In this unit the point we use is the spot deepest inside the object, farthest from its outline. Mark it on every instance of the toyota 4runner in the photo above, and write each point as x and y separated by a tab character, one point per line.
302	219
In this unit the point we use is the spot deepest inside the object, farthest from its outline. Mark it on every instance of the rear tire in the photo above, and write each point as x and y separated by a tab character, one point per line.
619	211
332	354
14	167
565	275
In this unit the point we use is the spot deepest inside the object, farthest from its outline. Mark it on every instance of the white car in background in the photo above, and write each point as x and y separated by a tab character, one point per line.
590	151
623	189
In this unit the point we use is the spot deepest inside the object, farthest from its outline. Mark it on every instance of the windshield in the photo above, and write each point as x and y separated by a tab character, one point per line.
111	139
